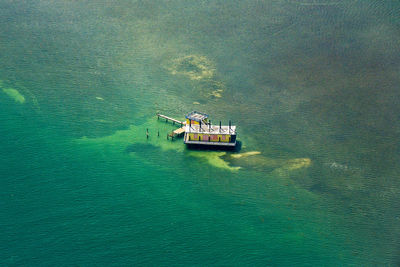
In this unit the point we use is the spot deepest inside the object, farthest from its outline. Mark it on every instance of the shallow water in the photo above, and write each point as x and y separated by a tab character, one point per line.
311	85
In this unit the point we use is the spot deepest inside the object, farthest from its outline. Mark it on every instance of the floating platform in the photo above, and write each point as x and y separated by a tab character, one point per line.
210	135
198	131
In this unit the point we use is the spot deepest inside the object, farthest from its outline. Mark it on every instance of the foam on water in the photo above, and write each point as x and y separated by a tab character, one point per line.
12	93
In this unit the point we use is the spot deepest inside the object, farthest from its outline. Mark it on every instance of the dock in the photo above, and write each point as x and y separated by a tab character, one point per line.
177	132
170	119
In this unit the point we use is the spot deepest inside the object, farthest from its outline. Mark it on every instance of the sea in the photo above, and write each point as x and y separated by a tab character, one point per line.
313	87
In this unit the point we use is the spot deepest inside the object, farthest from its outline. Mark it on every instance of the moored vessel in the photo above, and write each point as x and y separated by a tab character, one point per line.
199	132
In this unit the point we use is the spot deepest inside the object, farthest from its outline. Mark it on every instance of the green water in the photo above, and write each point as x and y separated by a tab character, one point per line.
313	86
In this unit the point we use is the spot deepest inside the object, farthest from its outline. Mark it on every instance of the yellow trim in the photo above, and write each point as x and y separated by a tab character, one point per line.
227	137
193	122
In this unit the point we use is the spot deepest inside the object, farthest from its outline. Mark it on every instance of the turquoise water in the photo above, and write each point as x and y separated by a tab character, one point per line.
313	87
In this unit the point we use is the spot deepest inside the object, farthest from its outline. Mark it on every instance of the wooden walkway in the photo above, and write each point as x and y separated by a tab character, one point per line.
170	119
177	132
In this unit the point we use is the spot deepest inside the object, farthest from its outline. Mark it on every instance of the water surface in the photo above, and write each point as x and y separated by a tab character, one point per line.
312	85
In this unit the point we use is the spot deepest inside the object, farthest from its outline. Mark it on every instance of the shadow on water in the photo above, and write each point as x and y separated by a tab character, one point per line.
236	148
141	147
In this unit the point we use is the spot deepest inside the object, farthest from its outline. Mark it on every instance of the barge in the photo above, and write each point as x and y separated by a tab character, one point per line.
198	131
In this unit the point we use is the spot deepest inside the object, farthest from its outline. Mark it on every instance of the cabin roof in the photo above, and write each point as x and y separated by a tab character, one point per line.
210	129
196	116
